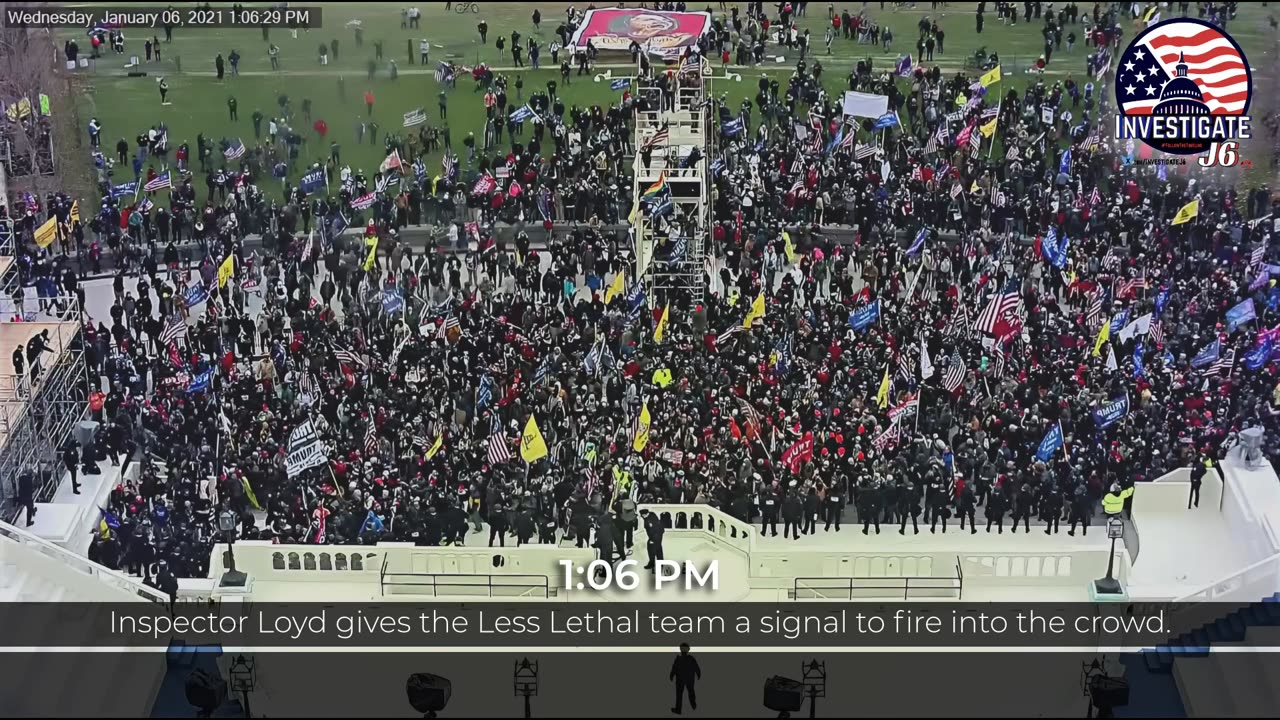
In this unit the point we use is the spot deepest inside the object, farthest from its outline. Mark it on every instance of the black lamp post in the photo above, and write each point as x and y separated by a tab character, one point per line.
1109	585
814	674
526	683
232	578
244	677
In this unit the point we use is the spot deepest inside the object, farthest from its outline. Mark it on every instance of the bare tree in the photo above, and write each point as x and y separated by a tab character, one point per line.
30	65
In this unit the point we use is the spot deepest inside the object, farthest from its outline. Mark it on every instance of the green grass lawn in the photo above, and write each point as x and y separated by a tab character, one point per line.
126	105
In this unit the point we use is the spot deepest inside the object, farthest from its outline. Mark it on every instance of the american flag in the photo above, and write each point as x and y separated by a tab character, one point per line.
1090	143
691	64
499	450
1224	364
956	190
234	149
862	152
593	480
888	437
847	142
1093	314
960	325
174	329
905	371
975	145
1012	154
953	376
1112	260
1157	333
307	384
161	182
658	138
346	357
998	369
1183	49
1003	312
371	436
931	146
1095	197
450	323
544	369
1128	287
420	441
1256	256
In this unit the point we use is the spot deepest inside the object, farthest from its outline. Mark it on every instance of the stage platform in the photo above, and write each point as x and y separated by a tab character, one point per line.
69	520
13	397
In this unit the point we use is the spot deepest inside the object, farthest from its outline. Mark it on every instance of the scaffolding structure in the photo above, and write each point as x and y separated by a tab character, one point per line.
688	126
37	417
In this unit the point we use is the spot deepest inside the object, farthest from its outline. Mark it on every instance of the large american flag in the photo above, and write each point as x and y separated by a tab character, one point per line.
371	436
1003	313
1213	62
953	376
499	451
659	137
1224	364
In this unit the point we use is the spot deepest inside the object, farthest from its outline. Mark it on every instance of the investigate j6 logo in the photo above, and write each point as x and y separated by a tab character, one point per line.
1183	87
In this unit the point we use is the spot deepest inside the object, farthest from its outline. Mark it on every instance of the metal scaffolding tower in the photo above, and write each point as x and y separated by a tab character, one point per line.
687	126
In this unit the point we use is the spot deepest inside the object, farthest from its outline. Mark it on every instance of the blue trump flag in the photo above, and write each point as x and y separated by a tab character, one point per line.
1120	320
201	382
129	188
392	301
1111	413
886	120
195	295
485	394
732	128
1138	368
1051	442
312	181
1206	355
918	244
1240	314
1054	249
1162	298
1064	166
1257	357
620	83
862	317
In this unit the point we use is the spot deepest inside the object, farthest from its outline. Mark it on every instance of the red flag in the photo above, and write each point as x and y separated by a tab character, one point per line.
799	452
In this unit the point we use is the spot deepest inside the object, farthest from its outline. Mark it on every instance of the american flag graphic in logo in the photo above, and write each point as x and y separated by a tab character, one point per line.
1213	62
1182	68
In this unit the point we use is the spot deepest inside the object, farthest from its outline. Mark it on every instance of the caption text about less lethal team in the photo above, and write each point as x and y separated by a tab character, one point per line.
329	624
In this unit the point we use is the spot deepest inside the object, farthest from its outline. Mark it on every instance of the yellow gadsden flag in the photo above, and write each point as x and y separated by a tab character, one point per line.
991	77
226	270
790	248
47	233
616	288
882	395
1103	336
532	447
75	211
1186	212
435	446
372	257
642	430
990	128
756	312
659	331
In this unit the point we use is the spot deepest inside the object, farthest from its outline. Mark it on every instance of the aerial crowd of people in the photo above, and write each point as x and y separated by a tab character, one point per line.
978	306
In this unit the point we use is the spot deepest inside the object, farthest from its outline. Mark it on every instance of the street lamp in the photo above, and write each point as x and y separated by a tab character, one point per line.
232	578
526	683
1109	585
814	675
244	677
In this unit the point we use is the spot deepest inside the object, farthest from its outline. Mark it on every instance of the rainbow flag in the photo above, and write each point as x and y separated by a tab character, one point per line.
657	188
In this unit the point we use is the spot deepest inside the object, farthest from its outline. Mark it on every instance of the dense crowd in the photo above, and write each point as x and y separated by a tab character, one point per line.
977	304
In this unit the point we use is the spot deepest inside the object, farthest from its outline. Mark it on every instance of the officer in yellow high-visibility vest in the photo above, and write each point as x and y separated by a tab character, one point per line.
1113	502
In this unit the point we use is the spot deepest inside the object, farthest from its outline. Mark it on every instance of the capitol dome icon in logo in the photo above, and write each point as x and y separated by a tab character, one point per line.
1181	86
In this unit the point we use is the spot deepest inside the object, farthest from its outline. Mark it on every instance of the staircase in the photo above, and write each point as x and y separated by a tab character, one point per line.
1182	678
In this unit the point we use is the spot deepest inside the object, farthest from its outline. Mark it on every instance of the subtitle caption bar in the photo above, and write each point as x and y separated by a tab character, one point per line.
156	17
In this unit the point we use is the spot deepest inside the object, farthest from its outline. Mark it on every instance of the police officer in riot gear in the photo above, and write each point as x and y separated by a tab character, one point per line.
653	529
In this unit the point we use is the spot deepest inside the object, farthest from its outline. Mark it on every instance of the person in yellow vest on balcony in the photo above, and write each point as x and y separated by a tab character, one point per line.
1113	502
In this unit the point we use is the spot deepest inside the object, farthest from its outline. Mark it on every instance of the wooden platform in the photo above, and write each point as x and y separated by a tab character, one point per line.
12	402
6	262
